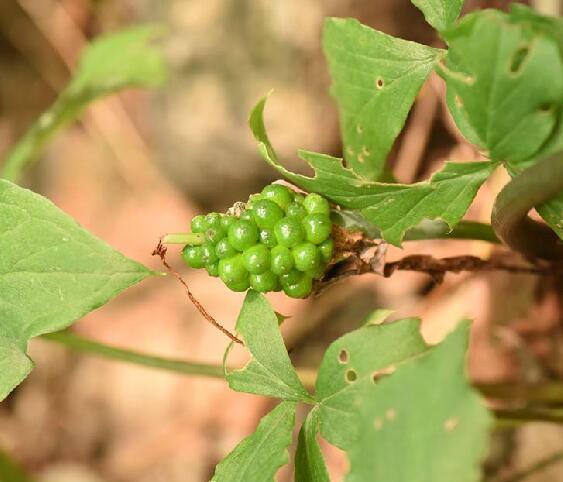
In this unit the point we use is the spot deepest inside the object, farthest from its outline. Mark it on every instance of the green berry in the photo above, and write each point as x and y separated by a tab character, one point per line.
264	282
268	237
318	272
290	278
281	195
299	198
243	234
266	213
213	220
247	215
317	227
326	248
213	268
223	249
289	232
239	286
256	259
226	222
306	257
209	255
232	270
301	289
296	210
199	224
252	199
193	256
281	260
316	204
215	234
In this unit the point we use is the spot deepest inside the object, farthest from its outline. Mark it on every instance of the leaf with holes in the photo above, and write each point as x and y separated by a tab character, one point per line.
504	82
375	79
423	424
352	363
439	13
309	462
259	456
393	208
269	372
52	272
111	63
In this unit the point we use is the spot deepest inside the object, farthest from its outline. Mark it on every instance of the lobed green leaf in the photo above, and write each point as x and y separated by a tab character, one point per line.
259	456
309	462
504	82
52	272
375	80
393	208
424	423
111	63
348	369
269	371
439	13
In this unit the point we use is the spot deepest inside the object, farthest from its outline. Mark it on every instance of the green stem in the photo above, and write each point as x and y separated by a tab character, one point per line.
517	416
428	229
548	393
63	111
537	467
470	230
510	220
193	239
84	345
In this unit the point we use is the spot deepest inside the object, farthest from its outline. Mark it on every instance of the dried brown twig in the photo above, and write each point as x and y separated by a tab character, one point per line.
160	251
358	255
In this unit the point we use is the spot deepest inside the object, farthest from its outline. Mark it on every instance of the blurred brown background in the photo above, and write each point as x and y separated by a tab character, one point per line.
143	163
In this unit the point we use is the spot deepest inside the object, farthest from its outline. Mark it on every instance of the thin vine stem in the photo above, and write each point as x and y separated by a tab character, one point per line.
95	348
548	392
534	186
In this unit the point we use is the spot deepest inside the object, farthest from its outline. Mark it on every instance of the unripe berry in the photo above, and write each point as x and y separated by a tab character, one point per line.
232	270
281	260
316	204
266	213
289	232
296	210
317	227
326	248
247	215
264	282
281	195
268	237
298	198
199	224
213	268
209	255
256	259
215	234
306	257
193	256
290	278
223	249
226	222
239	286
301	289
213	220
243	234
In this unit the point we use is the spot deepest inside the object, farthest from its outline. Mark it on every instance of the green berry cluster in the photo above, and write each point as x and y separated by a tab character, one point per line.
281	241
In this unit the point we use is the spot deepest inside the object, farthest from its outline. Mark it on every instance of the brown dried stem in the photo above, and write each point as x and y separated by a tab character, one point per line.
160	251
